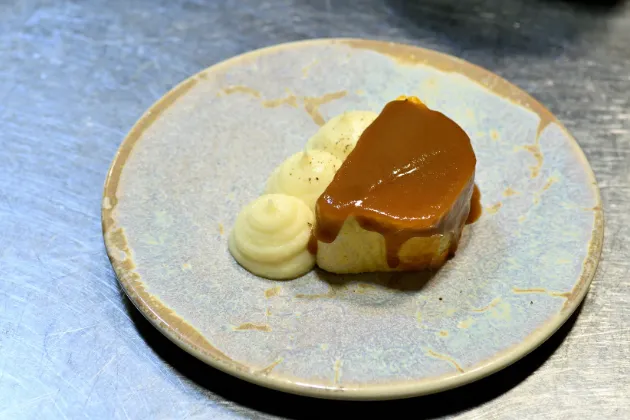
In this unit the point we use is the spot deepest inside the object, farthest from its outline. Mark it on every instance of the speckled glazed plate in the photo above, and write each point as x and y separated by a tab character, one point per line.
206	148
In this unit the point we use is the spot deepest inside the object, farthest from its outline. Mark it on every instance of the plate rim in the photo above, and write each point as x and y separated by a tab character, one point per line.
153	309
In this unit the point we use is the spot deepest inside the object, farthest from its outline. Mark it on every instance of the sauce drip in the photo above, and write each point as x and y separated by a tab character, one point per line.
475	206
312	244
411	174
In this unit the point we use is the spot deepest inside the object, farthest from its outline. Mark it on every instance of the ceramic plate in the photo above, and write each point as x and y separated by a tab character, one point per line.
206	149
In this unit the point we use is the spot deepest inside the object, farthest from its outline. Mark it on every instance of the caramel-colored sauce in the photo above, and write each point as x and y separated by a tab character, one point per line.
475	206
411	174
312	244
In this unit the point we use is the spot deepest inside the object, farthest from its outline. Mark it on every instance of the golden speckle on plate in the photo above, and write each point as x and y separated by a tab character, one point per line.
466	323
489	306
509	192
552	180
267	370
274	291
541	290
337	370
494	208
307	68
251	326
290	100
239	89
534	149
312	104
446	358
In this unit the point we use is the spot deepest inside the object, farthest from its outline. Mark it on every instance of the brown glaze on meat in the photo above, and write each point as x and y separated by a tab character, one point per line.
411	174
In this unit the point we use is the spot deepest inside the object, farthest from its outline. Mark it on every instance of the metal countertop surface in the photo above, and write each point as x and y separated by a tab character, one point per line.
76	75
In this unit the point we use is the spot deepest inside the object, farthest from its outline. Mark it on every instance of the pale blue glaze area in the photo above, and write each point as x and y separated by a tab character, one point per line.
210	153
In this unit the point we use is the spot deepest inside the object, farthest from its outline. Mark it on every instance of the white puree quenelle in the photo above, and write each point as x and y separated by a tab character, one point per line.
270	237
339	135
271	234
304	175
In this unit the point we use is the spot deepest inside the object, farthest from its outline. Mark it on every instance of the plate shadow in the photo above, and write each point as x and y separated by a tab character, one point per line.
214	382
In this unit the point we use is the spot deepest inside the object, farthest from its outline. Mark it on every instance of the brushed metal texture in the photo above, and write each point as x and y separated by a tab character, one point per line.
75	76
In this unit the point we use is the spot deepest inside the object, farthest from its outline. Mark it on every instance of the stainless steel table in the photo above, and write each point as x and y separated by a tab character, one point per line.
75	75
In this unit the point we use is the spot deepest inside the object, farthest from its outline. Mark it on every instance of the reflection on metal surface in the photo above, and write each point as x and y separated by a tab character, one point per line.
69	344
